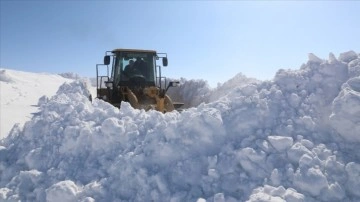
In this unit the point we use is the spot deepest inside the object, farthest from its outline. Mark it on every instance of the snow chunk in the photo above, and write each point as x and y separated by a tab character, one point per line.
297	151
294	100
249	89
293	196
5	77
353	84
308	122
252	161
275	177
307	143
219	197
353	183
332	58
88	199
314	59
354	68
62	191
334	192
281	143
43	100
4	193
346	111
275	194
310	180
348	56
112	126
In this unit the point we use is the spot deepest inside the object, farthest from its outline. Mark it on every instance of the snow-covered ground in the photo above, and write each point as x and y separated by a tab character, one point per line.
294	138
20	92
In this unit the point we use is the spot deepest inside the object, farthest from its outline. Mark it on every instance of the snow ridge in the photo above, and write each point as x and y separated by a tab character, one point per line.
294	138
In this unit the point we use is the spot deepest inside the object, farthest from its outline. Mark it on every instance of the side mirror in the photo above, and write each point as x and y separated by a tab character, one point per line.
165	62
106	59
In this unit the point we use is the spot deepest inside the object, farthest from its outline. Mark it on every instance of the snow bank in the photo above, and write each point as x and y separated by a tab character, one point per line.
291	139
190	92
194	92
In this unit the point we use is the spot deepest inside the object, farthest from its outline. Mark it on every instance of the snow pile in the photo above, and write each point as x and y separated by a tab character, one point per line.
190	92
89	82
291	139
194	92
70	75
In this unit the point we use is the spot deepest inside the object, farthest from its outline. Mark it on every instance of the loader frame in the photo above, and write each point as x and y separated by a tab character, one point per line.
146	91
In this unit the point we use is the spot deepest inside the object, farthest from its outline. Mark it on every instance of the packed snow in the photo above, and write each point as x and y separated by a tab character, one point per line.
294	138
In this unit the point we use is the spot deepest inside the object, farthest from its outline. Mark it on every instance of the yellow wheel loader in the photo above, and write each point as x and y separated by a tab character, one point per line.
135	77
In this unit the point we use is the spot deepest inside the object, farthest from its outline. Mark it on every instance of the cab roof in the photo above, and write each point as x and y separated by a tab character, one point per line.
132	50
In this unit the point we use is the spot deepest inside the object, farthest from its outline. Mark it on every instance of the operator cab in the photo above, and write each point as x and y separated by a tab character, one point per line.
134	67
135	77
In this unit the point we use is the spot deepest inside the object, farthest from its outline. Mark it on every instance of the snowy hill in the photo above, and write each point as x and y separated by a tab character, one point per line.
295	138
20	92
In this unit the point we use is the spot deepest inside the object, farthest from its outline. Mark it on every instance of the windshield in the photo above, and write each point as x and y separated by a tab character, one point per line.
127	65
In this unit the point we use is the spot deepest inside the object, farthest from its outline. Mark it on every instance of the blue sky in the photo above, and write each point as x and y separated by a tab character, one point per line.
210	40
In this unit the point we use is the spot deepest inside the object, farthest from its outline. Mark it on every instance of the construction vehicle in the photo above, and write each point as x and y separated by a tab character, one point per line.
135	78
